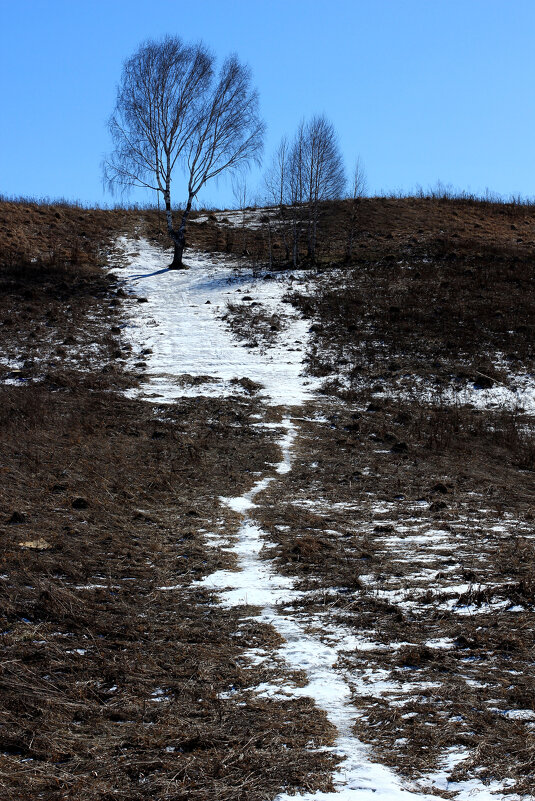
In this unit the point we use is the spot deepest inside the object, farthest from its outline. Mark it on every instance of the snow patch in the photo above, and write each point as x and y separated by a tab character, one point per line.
192	350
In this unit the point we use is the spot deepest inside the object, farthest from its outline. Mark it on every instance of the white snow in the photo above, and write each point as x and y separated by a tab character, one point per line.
471	790
239	218
520	714
441	642
181	324
518	394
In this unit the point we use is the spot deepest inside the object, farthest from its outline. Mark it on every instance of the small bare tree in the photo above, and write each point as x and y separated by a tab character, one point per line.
323	172
276	177
240	192
173	111
277	189
358	190
285	185
315	174
302	175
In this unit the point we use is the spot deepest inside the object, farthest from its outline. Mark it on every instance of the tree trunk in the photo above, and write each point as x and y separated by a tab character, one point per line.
352	231
310	239
314	234
295	252
349	250
177	264
179	239
284	233
270	246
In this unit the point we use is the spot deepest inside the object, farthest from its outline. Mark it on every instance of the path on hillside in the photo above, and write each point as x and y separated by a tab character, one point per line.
178	331
181	325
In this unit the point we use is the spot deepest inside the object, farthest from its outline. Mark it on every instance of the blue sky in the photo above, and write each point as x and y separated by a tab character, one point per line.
422	90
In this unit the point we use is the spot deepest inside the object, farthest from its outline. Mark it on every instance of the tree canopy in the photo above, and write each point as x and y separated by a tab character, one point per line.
173	111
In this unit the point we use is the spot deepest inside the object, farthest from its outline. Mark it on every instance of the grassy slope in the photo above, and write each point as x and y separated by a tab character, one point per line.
110	687
435	289
439	295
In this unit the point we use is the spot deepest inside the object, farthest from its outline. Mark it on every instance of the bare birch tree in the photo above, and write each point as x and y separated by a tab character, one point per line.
172	112
322	170
276	178
240	192
358	190
278	192
315	174
302	175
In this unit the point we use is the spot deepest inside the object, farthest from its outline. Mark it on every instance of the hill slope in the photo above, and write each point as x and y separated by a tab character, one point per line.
182	600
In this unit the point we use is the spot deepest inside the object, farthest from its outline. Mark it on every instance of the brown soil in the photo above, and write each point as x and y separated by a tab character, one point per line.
112	686
410	523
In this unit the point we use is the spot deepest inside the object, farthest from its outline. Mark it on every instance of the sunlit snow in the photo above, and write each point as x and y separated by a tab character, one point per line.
179	332
181	324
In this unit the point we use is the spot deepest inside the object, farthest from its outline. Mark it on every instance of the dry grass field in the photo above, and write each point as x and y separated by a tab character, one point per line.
407	520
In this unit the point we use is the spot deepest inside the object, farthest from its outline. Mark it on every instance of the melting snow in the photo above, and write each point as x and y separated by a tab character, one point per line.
180	324
257	584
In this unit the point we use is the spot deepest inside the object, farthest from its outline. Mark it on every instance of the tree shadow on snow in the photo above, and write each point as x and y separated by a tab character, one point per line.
147	275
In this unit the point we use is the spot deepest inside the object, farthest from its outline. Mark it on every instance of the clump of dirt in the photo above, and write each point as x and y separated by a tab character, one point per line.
247	384
196	380
253	323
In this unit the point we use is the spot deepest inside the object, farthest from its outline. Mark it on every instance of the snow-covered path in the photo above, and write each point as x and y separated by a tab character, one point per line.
180	331
180	323
257	584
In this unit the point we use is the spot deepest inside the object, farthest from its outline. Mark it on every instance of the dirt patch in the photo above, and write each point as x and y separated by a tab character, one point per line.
251	322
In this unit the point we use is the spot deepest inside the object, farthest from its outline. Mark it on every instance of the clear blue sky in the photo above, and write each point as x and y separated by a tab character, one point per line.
422	90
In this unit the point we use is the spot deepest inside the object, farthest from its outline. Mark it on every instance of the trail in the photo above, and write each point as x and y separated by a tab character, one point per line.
258	584
181	326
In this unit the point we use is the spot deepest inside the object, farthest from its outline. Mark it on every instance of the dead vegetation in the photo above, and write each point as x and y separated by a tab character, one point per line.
251	322
380	227
409	517
445	321
407	521
425	551
118	670
111	684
